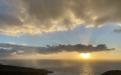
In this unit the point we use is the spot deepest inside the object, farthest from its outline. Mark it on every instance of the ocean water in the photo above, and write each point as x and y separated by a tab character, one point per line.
64	67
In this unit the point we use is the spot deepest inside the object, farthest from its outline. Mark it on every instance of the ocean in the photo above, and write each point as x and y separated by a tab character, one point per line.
68	67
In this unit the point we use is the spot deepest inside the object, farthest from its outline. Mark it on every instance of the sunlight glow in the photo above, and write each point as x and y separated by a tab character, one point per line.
85	55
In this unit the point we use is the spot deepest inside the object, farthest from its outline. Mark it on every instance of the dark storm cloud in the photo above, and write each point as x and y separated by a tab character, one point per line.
36	16
74	48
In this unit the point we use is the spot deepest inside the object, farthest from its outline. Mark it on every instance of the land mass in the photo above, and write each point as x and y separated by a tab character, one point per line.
15	70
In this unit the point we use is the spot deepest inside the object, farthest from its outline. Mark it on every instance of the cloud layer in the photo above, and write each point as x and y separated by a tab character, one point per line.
37	16
10	49
80	48
117	30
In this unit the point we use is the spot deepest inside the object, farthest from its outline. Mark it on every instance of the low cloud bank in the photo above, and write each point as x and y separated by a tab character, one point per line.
7	50
74	48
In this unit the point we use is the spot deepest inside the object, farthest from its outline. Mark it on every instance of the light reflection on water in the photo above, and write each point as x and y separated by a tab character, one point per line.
86	69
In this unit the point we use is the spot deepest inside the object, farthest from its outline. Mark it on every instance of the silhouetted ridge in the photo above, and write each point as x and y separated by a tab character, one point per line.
14	70
112	72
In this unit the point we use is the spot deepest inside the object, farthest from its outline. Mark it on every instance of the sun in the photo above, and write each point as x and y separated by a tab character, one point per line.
85	55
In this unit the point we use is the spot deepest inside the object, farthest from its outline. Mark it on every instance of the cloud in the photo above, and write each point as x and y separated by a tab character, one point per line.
117	30
37	16
80	48
12	49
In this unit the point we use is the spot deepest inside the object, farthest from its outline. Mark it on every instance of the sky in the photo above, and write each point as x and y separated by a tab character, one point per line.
54	22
